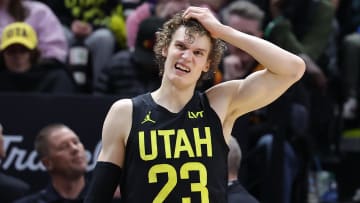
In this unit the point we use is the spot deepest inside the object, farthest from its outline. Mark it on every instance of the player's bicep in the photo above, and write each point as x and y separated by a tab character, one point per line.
234	98
257	90
115	131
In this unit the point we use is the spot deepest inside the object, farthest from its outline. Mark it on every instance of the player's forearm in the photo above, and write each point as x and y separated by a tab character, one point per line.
105	179
274	58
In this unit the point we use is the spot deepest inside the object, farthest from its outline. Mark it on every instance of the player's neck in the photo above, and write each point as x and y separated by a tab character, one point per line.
172	99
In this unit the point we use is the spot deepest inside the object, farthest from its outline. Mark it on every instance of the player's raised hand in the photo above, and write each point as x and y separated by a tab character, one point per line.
205	17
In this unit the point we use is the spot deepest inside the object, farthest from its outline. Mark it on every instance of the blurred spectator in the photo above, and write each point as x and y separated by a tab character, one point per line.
19	67
245	17
348	14
311	35
349	17
312	30
214	5
63	155
130	5
162	9
351	70
11	188
307	28
236	192
100	25
130	73
260	133
52	41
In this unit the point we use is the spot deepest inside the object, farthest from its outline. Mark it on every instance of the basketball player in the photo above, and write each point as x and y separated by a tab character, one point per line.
170	145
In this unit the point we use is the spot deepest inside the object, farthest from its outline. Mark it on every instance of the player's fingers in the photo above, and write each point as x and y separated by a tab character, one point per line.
194	12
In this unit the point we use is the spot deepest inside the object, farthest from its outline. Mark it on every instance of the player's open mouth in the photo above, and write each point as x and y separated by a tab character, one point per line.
182	68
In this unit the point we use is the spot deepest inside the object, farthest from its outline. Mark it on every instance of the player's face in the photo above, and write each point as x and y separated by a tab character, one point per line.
186	57
66	154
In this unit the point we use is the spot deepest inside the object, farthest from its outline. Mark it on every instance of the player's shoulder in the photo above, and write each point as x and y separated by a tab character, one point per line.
119	115
125	106
121	105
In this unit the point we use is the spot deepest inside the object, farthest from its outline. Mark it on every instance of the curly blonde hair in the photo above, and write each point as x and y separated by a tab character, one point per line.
165	34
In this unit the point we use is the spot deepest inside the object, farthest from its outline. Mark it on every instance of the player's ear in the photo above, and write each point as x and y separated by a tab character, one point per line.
207	66
164	51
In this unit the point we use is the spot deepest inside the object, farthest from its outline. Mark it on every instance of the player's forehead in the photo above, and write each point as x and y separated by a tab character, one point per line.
193	39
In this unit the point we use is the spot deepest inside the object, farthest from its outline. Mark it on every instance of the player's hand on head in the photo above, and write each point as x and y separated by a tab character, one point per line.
206	17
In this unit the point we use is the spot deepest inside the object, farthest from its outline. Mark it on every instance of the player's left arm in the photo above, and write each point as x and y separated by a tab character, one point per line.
234	98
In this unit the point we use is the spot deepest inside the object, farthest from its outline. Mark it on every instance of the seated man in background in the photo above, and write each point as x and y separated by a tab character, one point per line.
64	157
11	188
19	67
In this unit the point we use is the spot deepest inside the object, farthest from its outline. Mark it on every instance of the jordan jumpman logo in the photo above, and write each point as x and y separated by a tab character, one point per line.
147	118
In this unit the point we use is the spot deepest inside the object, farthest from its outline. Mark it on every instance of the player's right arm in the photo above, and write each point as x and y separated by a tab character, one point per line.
115	131
107	172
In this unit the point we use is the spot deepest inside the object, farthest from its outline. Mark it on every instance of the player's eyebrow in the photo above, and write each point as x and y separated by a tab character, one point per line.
187	45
